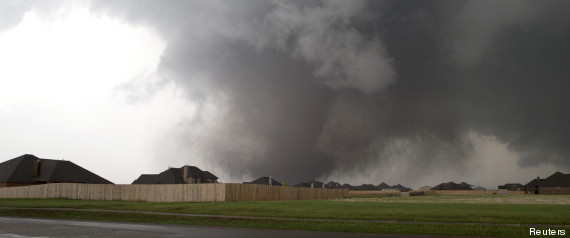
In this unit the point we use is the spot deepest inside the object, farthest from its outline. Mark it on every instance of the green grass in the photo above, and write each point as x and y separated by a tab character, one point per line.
470	230
426	209
493	199
359	210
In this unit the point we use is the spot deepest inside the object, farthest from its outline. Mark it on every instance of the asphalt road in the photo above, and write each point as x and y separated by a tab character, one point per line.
24	227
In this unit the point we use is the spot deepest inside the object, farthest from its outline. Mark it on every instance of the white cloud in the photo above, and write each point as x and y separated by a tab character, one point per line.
61	94
493	164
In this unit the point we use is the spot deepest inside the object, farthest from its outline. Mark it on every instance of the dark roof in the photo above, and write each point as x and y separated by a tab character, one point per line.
365	187
209	175
464	184
369	187
148	179
21	170
265	181
193	172
401	188
453	186
512	186
556	180
18	170
346	185
531	186
169	176
62	171
383	186
173	176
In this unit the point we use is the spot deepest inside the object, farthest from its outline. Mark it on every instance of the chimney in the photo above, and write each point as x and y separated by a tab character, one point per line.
37	168
312	185
537	180
185	175
270	180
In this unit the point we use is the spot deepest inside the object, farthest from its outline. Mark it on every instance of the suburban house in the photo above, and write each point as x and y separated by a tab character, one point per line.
347	186
531	186
183	175
557	183
364	187
265	181
332	184
384	186
401	188
453	186
29	170
512	187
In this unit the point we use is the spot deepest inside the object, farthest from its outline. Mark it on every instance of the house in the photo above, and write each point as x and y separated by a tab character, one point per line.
265	181
384	186
365	187
512	187
183	175
557	183
29	170
209	177
531	186
347	186
401	188
453	186
332	184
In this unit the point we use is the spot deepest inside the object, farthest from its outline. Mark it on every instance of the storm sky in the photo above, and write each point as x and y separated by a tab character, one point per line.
409	92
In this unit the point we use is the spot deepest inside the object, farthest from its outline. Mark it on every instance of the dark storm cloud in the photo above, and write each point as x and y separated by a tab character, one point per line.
276	70
315	88
327	85
515	87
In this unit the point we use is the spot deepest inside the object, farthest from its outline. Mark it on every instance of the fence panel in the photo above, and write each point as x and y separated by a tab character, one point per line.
171	192
256	192
149	193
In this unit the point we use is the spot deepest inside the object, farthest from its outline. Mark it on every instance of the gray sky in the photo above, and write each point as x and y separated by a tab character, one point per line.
410	92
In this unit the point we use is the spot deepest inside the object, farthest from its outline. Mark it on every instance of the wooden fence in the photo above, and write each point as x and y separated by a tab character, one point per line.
553	190
256	192
150	193
213	192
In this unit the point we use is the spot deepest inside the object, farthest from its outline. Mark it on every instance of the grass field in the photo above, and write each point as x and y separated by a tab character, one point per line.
495	199
496	209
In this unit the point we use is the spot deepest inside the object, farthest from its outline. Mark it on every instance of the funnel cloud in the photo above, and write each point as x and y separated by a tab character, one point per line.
409	92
